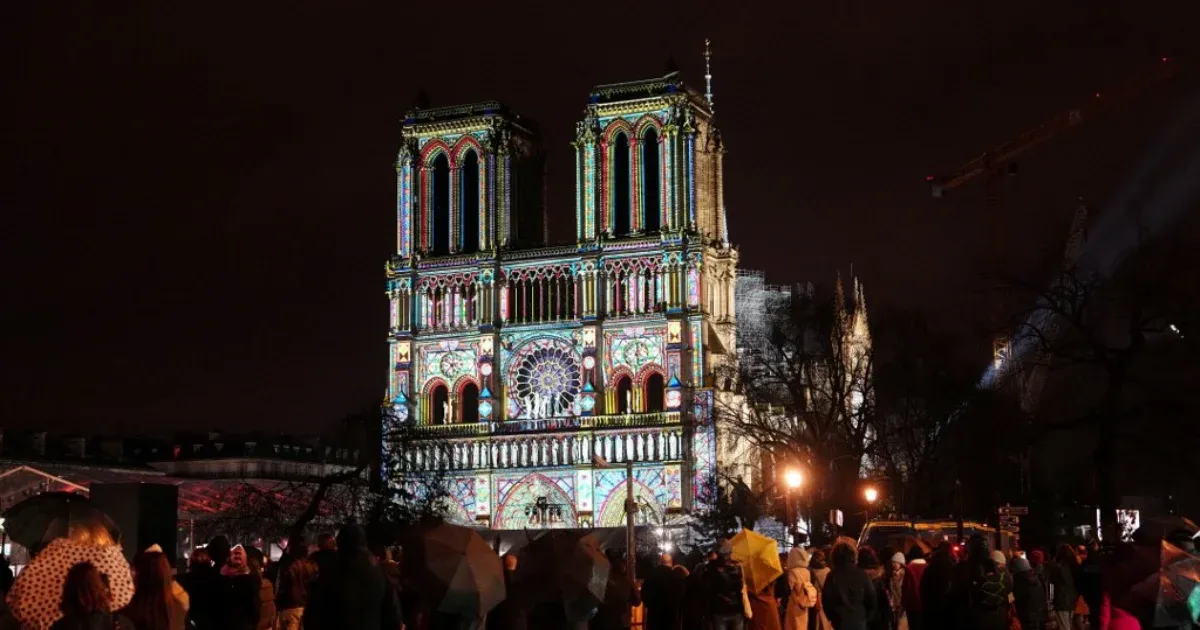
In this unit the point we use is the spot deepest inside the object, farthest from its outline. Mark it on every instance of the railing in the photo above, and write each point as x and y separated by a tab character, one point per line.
570	423
650	437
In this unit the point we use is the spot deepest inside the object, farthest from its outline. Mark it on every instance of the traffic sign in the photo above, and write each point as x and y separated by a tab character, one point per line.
1014	510
1012	529
1009	520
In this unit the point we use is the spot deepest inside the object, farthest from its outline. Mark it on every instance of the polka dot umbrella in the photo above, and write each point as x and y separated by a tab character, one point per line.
36	521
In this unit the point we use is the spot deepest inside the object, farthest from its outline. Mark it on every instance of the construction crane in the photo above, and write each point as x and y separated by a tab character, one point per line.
1001	160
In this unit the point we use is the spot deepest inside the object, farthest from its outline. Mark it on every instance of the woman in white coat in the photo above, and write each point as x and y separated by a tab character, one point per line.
803	596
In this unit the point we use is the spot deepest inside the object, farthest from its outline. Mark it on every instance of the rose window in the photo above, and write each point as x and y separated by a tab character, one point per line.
546	381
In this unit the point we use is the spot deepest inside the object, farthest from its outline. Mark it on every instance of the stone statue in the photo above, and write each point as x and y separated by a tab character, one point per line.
447	418
628	402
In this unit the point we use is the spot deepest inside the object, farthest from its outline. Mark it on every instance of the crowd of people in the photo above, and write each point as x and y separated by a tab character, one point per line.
847	587
83	582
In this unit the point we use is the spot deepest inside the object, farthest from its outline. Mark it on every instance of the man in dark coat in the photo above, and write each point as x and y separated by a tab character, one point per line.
351	592
848	597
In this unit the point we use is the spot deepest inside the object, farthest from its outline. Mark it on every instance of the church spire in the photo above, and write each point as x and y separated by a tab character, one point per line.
708	94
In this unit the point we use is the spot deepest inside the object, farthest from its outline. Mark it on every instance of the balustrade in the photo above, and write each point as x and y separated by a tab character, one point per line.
658	437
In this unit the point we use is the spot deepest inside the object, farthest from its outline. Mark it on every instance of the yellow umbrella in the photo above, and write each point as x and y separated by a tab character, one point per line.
759	556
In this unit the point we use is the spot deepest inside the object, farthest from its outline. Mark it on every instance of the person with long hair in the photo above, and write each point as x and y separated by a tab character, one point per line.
848	596
155	605
86	602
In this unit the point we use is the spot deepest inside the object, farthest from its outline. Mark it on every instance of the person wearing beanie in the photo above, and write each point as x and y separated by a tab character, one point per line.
893	587
910	595
1029	595
999	559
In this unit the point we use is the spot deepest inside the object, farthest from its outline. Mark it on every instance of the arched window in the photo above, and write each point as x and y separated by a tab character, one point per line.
624	387
439	400
655	392
468	217
651	178
468	403
441	204
620	187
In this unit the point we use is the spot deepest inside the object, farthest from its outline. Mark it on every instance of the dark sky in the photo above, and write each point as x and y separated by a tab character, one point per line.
197	201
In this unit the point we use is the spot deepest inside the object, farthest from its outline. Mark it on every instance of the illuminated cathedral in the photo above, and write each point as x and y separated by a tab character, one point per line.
534	373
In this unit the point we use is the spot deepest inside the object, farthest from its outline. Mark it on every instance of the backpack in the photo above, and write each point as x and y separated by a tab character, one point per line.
808	596
989	591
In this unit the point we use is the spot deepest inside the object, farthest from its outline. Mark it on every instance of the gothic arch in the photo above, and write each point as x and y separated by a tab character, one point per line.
464	144
645	122
466	402
432	148
617	126
427	393
612	513
510	513
645	372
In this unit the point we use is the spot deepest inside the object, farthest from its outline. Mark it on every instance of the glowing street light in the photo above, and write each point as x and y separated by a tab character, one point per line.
871	495
794	478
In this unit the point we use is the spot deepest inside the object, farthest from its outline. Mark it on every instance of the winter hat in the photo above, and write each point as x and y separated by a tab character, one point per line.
155	548
1037	558
1020	565
898	557
998	558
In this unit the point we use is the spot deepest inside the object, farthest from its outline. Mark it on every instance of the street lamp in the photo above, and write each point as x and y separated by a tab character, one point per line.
792	479
872	495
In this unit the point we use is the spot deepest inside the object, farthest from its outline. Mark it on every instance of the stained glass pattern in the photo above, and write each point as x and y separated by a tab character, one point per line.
544	380
535	501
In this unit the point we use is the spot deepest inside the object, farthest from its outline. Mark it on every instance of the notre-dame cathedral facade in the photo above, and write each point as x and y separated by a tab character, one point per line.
535	372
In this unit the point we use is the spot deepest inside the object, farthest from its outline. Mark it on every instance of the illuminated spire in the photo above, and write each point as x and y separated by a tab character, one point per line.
708	95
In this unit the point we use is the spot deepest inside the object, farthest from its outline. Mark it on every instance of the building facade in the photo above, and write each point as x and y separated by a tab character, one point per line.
534	373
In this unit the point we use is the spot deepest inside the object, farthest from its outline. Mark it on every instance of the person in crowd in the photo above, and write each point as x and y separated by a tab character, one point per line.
1029	594
295	572
326	552
802	594
868	561
663	596
1062	579
1089	581
910	592
158	603
621	594
981	589
86	603
202	583
509	614
819	568
695	596
218	550
724	585
6	576
893	577
936	587
764	609
266	590
350	592
847	597
238	603
33	601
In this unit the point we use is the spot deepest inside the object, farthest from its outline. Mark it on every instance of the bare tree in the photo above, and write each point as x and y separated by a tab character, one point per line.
1096	331
808	391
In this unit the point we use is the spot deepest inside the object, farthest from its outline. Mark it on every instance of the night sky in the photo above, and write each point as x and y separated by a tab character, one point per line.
198	202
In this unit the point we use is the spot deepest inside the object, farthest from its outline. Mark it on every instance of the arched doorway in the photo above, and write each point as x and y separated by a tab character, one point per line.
624	389
655	390
439	400
468	403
